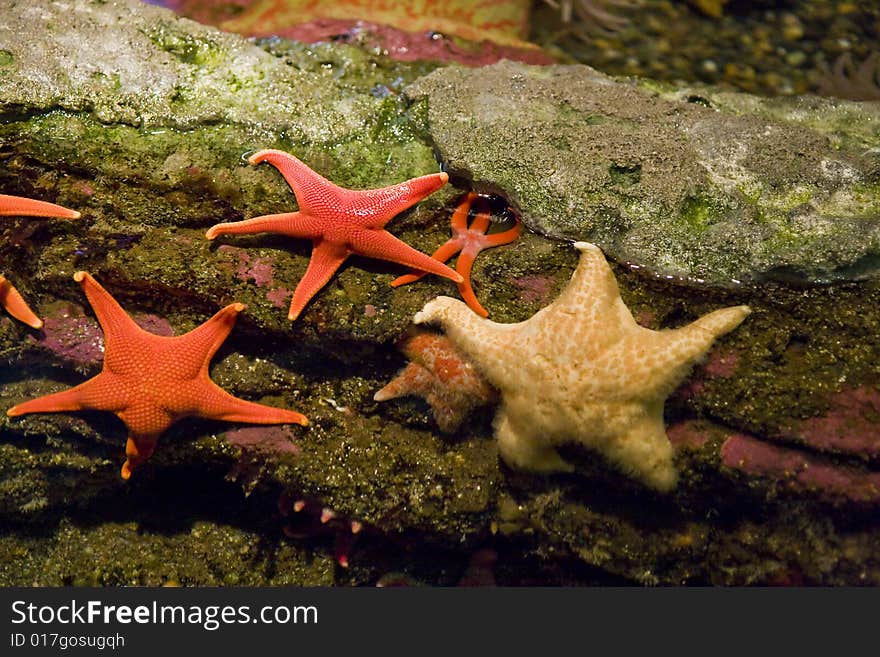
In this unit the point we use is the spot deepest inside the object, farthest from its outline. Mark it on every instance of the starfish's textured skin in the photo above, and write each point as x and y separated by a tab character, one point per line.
439	374
340	222
17	206
581	370
470	241
150	381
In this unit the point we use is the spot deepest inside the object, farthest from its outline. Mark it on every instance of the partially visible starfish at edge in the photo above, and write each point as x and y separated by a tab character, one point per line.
438	373
339	222
18	206
151	381
470	241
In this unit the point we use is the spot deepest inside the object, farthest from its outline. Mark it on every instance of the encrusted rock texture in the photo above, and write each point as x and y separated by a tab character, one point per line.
142	121
717	187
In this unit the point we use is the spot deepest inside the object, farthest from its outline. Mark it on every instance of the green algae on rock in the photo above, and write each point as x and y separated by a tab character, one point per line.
157	156
187	86
720	192
151	69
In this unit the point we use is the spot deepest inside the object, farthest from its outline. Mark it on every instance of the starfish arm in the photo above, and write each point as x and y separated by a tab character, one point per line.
481	340
383	245
382	205
521	449
683	347
392	390
481	222
593	285
138	448
15	305
690	342
326	259
88	394
444	253
317	195
200	344
717	323
675	351
463	267
311	189
119	328
448	418
504	237
406	279
292	224
414	379
642	449
460	216
217	404
25	207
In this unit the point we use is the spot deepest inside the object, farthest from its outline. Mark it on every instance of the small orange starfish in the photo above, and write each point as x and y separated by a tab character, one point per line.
470	241
340	222
150	381
17	206
443	377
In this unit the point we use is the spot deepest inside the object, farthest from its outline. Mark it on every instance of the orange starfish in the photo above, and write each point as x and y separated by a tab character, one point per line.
150	381
17	206
340	222
443	377
470	241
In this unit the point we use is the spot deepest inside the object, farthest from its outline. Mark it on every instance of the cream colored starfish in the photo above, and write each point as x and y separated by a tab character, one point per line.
581	370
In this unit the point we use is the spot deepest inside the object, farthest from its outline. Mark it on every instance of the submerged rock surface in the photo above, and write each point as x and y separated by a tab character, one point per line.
147	141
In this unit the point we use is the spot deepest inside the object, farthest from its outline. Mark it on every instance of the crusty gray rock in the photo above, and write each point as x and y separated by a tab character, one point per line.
151	68
737	189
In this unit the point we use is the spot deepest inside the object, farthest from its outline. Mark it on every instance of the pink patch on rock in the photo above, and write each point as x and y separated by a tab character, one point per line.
84	188
257	269
800	471
279	297
268	440
535	288
720	363
207	12
646	318
851	425
396	43
262	272
370	310
153	324
74	337
691	434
